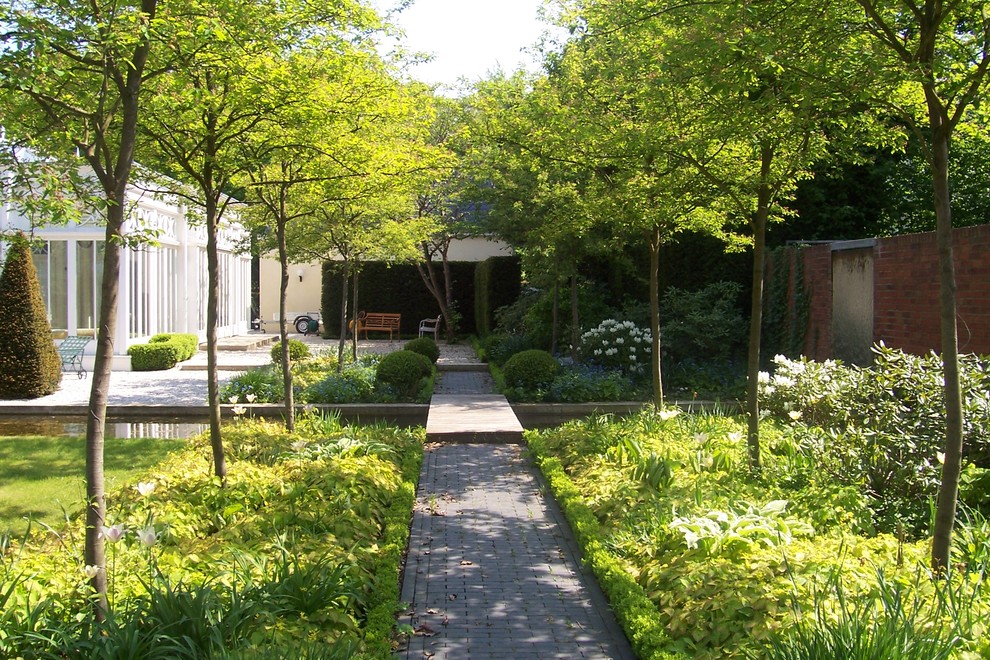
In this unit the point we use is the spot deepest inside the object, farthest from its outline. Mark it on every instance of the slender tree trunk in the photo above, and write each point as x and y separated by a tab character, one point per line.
451	324
212	306
354	307
283	259
115	186
555	315
96	507
575	319
945	513
429	276
759	225
342	341
655	374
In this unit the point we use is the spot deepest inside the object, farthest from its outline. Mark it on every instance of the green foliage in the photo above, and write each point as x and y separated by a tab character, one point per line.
892	622
188	343
298	351
163	351
497	282
882	426
703	324
618	345
664	495
355	383
262	385
425	346
29	364
402	371
309	534
499	347
154	357
785	308
530	369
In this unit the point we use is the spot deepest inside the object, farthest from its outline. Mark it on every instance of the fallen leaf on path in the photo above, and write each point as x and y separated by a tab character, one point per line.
424	631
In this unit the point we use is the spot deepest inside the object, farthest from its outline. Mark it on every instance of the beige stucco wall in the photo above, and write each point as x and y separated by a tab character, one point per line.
300	296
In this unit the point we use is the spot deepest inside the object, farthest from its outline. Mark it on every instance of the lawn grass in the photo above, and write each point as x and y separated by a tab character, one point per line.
42	476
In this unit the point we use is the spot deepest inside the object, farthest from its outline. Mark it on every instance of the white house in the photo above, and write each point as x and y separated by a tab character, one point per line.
162	288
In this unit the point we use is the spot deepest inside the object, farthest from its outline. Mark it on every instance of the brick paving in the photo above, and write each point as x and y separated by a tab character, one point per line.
492	571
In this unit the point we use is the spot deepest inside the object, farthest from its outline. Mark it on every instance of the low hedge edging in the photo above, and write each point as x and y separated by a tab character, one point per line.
381	613
637	614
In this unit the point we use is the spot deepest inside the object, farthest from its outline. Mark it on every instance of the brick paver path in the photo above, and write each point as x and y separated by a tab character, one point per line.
492	571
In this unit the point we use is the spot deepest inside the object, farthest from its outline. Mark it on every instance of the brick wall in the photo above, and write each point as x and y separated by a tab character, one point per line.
906	290
818	286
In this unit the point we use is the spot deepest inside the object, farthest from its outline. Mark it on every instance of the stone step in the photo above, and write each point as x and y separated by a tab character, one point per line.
472	418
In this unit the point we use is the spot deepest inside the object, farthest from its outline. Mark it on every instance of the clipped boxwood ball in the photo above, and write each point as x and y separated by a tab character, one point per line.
297	351
424	346
530	369
402	370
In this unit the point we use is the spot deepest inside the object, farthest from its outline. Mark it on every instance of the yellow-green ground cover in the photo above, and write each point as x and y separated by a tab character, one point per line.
703	559
297	556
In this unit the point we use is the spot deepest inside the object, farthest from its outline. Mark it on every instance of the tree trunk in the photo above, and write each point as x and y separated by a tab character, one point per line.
759	225
555	315
114	181
655	374
342	340
357	312
212	305
96	507
429	276
575	319
283	260
945	512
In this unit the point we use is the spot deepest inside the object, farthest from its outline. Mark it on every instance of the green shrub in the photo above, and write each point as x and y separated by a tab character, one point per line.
424	346
154	357
402	371
188	343
29	364
703	324
618	345
254	386
297	351
530	370
499	347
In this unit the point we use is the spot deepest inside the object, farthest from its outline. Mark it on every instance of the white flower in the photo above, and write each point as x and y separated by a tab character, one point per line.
632	358
780	359
735	436
145	488
91	571
691	538
783	381
667	415
298	445
234	399
701	438
598	351
147	536
620	341
250	397
113	533
763	378
795	415
238	410
611	351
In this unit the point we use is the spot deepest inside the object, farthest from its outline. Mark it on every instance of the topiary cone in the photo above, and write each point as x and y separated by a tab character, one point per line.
29	364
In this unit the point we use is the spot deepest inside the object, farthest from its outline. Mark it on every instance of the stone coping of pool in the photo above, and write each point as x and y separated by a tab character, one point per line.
531	415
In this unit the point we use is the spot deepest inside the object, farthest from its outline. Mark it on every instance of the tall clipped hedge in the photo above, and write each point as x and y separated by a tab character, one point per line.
397	289
29	364
497	282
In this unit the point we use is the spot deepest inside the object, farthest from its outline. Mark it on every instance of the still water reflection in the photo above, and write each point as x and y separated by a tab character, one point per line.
76	427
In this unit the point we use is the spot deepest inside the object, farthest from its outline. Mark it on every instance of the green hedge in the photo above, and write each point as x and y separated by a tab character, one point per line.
163	351
497	282
399	289
188	343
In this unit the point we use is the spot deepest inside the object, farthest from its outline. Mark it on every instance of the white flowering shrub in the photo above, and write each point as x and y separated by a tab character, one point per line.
819	391
619	345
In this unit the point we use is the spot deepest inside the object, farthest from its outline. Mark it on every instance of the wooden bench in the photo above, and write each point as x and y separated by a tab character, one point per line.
379	322
70	351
